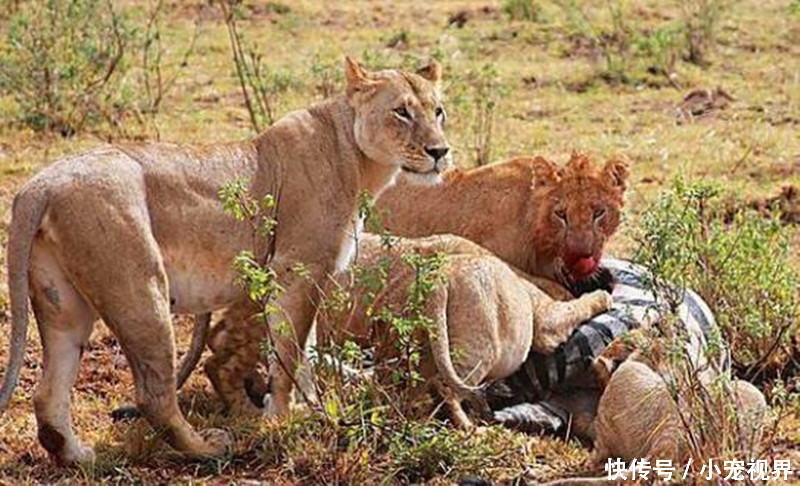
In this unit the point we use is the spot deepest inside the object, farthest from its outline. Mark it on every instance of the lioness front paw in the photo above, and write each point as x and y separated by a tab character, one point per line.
602	300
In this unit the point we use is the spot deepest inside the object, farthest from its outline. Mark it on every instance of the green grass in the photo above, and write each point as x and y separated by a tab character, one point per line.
751	147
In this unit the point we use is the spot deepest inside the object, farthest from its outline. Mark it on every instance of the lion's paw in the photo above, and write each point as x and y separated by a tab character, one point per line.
603	299
78	454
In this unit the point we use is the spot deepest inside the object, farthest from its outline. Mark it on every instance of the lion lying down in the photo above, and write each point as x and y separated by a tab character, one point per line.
637	418
484	312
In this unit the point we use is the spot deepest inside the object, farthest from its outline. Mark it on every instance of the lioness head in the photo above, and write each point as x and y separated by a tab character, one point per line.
578	208
399	119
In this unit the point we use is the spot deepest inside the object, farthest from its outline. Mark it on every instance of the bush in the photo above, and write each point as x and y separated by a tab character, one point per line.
327	73
156	81
475	97
363	427
738	262
627	52
700	21
63	62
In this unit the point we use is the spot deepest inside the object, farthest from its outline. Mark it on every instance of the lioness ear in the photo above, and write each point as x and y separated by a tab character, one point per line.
545	173
616	173
432	72
357	77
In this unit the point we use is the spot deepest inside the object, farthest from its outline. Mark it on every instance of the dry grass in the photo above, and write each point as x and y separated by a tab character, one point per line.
752	146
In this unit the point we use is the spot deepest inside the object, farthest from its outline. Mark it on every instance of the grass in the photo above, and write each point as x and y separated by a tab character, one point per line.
553	102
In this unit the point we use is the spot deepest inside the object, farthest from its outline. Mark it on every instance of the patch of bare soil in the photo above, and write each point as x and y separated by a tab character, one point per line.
207	12
580	45
703	103
785	204
460	17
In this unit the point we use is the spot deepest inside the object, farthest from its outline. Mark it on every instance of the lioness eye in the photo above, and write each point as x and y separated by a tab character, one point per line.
599	213
440	114
562	215
403	113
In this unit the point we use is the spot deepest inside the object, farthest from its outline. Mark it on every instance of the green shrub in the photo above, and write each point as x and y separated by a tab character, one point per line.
63	62
360	429
701	19
327	73
475	98
737	261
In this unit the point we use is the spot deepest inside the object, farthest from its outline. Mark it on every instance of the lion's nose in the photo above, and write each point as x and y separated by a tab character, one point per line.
437	153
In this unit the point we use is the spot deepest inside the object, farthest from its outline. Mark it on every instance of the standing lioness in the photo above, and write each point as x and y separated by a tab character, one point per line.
131	233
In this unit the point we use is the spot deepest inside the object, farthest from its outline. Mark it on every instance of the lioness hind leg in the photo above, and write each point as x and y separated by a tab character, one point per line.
152	362
65	322
457	413
127	286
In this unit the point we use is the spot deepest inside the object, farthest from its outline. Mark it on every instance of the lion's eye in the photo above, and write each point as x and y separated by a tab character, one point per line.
599	213
440	115
402	113
562	215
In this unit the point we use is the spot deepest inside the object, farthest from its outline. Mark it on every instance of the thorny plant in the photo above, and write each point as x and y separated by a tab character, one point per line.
64	62
477	96
629	52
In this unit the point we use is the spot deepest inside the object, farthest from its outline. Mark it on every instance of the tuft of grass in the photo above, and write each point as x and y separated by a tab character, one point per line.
522	10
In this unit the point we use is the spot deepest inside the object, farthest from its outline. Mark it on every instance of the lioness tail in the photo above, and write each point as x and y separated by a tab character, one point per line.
436	309
27	211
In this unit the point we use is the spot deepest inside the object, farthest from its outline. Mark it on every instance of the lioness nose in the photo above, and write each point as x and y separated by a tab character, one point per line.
437	153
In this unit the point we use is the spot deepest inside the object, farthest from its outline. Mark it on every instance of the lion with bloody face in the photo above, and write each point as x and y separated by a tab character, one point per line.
546	220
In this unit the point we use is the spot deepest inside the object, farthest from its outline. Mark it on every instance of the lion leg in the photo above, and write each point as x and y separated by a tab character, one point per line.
137	310
65	323
453	403
202	323
298	305
152	362
556	320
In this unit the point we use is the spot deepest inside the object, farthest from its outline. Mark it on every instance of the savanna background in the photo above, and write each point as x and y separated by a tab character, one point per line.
702	96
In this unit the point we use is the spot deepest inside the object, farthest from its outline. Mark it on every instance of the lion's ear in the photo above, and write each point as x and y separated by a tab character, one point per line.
357	77
432	72
616	173
545	173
